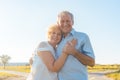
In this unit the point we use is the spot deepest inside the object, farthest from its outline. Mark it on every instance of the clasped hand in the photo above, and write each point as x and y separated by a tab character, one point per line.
69	48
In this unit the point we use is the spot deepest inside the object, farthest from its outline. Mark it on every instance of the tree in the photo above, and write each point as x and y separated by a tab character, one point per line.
4	59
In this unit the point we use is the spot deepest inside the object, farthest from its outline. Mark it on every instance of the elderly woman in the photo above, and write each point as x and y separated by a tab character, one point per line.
44	66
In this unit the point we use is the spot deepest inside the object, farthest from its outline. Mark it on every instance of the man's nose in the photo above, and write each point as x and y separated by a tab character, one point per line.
65	23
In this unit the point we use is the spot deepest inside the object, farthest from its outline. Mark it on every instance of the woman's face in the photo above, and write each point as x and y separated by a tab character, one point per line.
55	36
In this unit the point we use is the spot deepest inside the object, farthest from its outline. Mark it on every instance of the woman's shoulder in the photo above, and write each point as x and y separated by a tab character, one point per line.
43	44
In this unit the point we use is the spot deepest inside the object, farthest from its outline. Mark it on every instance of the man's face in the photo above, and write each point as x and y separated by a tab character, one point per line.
65	23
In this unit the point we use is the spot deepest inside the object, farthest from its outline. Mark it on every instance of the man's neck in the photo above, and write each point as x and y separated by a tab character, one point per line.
65	35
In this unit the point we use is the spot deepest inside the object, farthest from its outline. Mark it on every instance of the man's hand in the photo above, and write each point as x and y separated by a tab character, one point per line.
30	61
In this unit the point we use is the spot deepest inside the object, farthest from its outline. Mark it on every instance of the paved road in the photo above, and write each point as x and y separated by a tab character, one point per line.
92	76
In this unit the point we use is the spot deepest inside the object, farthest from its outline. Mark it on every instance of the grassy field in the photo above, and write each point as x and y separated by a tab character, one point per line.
96	68
17	68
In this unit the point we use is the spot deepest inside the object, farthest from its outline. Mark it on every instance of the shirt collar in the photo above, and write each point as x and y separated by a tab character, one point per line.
72	32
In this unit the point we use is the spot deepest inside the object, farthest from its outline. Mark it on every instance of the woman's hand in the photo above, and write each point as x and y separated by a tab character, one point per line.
69	48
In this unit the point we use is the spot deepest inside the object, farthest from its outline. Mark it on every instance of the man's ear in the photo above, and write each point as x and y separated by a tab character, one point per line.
57	23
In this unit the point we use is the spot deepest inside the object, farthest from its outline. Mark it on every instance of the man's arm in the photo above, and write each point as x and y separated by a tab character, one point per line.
30	61
84	59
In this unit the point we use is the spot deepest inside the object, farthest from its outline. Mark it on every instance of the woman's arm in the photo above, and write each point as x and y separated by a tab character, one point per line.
52	64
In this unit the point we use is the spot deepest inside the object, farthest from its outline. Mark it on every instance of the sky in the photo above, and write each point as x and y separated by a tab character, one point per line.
23	24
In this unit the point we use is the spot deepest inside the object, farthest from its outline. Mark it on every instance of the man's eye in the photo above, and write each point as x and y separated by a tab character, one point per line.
53	32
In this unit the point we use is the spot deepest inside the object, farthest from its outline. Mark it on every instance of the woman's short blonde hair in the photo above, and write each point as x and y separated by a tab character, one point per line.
53	28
